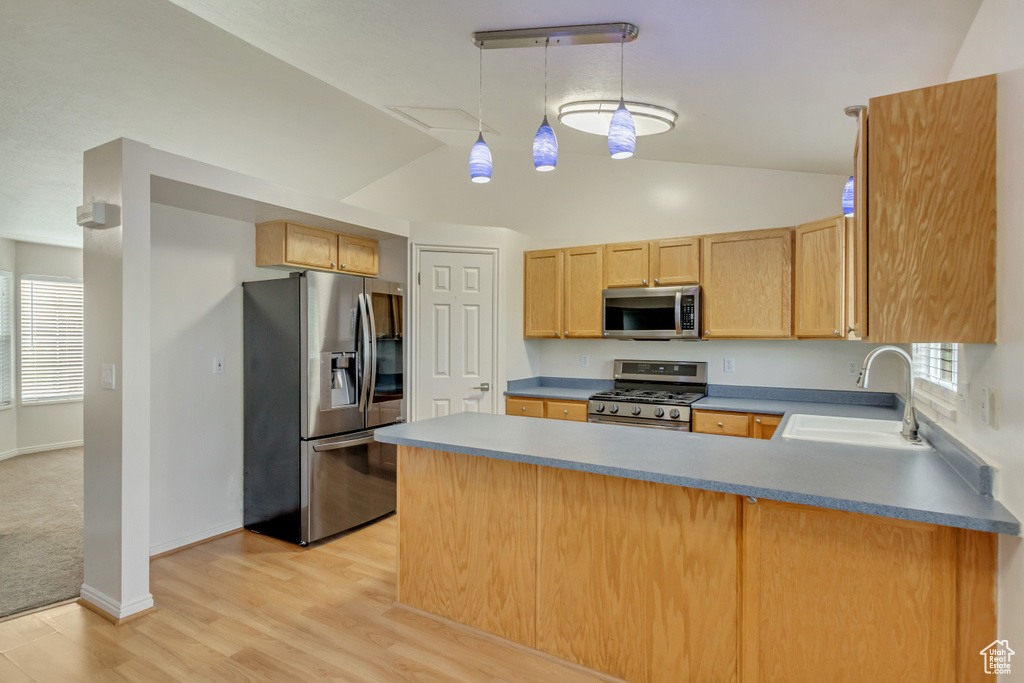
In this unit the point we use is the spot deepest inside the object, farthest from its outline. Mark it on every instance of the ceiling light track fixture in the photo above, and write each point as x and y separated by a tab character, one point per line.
611	118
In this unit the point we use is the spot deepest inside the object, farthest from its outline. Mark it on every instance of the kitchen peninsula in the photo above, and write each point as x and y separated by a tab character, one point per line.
667	556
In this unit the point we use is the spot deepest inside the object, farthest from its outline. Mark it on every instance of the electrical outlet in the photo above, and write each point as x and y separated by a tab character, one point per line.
729	365
584	360
852	368
218	365
988	407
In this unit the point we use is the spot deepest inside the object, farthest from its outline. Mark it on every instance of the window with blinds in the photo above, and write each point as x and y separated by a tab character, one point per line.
6	339
937	363
52	349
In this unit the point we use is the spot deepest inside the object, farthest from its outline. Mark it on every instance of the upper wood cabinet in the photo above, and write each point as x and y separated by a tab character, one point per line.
293	246
675	262
627	264
584	278
357	255
932	214
818	279
543	293
747	284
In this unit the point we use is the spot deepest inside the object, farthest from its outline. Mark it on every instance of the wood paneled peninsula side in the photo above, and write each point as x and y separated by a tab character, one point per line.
664	556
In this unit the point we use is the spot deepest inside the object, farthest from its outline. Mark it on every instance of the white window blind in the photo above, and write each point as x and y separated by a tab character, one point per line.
52	350
937	363
6	338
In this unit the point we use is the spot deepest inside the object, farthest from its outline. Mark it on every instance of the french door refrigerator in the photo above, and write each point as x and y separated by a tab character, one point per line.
323	368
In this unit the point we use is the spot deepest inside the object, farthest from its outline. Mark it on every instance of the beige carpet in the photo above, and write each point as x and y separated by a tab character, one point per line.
40	529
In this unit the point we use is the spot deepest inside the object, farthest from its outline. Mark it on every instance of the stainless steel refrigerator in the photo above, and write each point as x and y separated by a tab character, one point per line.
323	368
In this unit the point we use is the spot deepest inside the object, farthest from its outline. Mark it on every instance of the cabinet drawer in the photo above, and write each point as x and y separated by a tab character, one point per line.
566	410
530	407
728	424
764	426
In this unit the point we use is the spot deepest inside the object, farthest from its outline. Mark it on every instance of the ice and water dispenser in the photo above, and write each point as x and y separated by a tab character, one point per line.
338	380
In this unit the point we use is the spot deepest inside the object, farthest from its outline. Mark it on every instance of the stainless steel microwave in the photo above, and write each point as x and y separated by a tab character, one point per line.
651	313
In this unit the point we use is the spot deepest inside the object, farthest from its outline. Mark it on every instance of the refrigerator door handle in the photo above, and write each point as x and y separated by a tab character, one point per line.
335	445
367	357
373	350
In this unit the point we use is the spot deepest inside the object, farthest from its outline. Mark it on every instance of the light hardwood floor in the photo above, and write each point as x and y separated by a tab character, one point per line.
249	608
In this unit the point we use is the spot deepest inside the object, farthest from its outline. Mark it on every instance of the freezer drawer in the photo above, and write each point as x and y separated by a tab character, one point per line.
346	481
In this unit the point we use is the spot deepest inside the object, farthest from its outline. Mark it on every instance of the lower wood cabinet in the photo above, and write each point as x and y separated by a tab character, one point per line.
755	425
657	583
575	411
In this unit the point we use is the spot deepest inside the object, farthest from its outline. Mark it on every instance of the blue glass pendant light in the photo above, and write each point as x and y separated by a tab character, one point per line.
621	132
545	144
848	198
480	155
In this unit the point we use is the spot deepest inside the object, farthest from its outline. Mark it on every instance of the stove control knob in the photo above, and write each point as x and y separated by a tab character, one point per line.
614	409
599	407
658	412
674	414
636	410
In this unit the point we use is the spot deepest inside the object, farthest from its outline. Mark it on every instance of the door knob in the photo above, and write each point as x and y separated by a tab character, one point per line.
486	386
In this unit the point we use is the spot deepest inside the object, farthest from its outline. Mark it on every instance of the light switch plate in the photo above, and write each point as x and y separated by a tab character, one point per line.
584	360
108	376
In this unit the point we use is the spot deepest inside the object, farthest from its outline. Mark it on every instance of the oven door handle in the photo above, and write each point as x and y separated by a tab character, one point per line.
679	312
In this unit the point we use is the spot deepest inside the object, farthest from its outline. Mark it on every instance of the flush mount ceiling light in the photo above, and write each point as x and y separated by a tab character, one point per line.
594	116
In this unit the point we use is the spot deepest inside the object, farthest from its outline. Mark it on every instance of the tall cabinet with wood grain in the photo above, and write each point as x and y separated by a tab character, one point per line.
747	284
584	280
932	214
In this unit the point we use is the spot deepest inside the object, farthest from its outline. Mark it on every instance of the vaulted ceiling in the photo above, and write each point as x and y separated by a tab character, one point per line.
299	92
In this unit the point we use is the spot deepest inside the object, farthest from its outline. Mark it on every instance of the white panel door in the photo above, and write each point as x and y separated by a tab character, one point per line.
455	342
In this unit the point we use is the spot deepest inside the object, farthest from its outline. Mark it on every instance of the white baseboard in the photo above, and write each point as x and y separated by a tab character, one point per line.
113	607
40	449
195	537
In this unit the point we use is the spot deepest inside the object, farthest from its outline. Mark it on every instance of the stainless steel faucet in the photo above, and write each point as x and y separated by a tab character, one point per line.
909	430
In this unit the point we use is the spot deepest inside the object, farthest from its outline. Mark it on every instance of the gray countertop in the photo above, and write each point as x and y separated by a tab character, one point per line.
919	485
563	393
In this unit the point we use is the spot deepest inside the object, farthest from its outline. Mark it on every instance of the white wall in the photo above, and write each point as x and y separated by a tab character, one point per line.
8	416
198	264
51	425
594	199
993	45
800	364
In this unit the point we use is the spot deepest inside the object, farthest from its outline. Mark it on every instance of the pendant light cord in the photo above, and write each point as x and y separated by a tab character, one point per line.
546	41
480	92
622	60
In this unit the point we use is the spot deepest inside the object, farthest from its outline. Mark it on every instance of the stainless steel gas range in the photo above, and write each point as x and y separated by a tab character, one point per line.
651	394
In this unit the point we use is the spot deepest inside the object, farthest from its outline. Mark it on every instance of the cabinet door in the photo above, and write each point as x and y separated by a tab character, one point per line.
584	278
818	279
530	407
575	411
764	426
724	424
857	238
675	262
873	599
932	214
747	284
627	264
306	246
357	255
542	293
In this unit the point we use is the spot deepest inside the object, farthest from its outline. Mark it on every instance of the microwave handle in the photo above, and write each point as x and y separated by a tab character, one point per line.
679	312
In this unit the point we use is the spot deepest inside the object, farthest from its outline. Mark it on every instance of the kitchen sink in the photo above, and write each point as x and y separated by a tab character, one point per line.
854	431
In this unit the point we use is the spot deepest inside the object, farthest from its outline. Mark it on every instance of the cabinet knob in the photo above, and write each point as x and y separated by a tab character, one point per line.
342	265
524	409
566	412
707	331
720	424
655	280
334	265
644	281
835	332
757	420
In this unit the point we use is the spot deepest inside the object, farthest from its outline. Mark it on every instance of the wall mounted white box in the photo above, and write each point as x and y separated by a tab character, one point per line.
108	376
